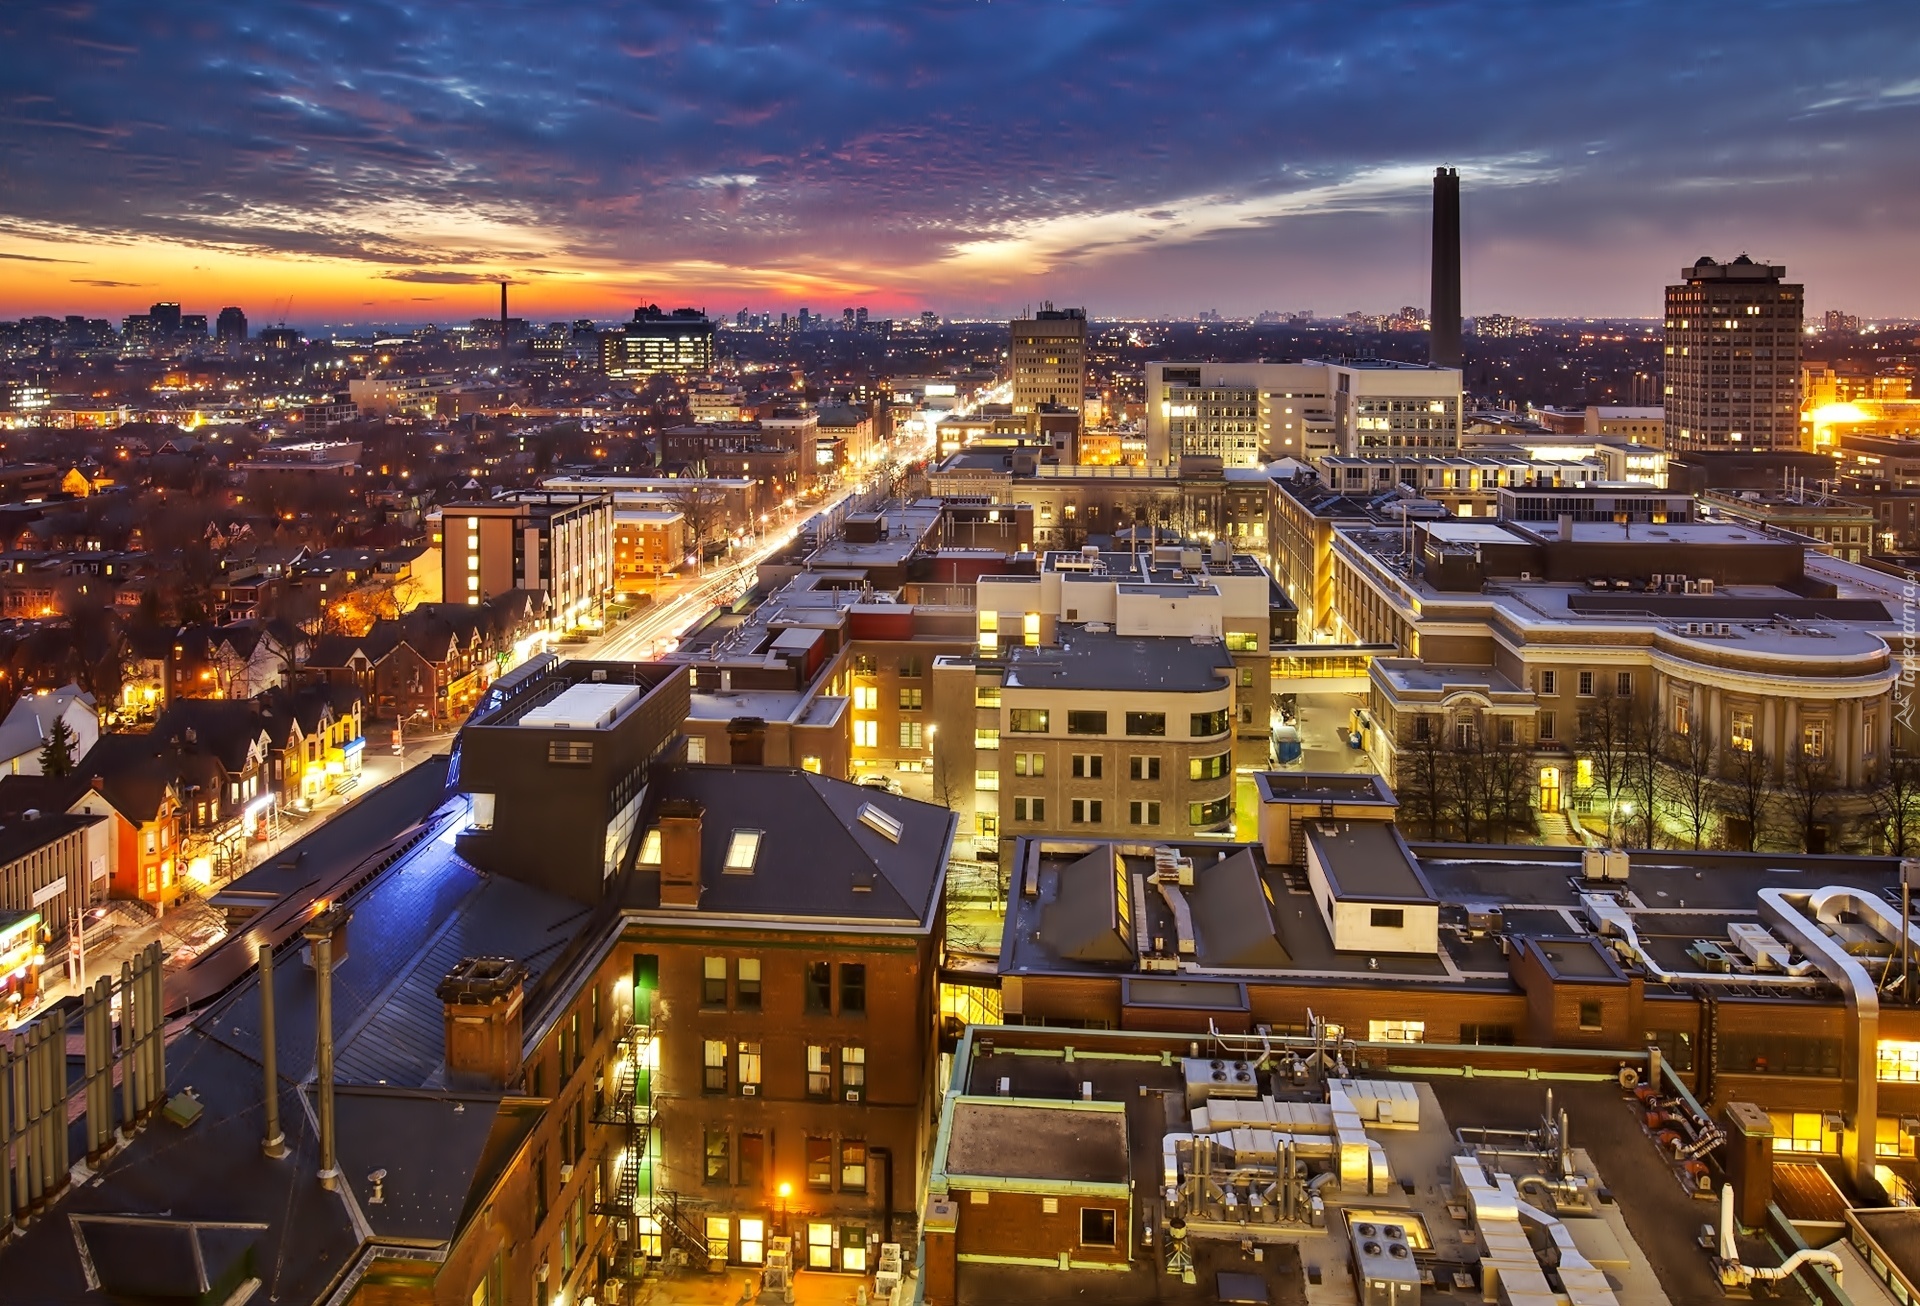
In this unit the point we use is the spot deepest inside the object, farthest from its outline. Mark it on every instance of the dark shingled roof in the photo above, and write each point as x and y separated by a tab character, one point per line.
818	859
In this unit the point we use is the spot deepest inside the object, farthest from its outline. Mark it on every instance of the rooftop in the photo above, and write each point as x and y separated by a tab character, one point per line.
1087	659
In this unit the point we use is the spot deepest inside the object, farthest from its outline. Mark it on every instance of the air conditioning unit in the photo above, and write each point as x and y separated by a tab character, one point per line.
853	1095
566	1172
1526	575
1706	585
749	1090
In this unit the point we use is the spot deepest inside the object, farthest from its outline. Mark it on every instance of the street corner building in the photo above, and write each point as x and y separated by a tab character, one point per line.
520	1028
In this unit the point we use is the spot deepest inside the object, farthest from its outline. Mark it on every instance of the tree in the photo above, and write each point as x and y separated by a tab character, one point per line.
1464	770
1509	785
1745	796
1417	776
1645	743
1896	805
1604	741
702	507
56	754
1690	760
1805	794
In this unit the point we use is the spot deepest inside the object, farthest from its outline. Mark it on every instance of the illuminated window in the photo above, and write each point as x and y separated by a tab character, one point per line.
1743	731
1898	1061
1030	625
866	698
1396	1031
742	849
866	734
986	781
988	739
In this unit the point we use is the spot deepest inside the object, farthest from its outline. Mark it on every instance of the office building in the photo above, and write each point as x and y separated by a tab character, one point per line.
1247	414
231	328
681	342
1556	638
542	541
1047	359
1733	358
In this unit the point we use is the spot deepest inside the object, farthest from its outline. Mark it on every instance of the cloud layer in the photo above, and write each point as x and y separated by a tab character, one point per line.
1150	157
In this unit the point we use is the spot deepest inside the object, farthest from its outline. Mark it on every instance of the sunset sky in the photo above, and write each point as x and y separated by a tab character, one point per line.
379	162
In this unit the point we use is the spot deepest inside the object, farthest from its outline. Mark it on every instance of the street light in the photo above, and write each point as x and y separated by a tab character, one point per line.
786	1191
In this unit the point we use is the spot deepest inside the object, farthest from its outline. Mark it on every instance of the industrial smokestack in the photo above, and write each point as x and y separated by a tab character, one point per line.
503	310
1443	338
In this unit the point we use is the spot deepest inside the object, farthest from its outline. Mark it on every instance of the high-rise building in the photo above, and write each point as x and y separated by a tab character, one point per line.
165	319
656	341
1733	358
231	328
1049	359
1443	334
1246	413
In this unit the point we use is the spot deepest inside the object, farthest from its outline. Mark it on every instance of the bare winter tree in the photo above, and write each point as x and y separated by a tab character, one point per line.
702	507
1463	770
1687	781
1645	736
1418	777
1606	741
1805	797
1746	792
1508	784
1896	805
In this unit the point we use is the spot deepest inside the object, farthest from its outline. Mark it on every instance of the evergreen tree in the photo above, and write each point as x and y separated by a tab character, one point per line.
56	754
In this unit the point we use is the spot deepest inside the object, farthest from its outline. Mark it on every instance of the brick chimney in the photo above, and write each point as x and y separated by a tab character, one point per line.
483	998
747	741
680	820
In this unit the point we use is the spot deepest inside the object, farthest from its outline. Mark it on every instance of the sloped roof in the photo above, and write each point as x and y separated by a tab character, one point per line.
818	859
1082	921
1232	923
135	773
25	728
221	728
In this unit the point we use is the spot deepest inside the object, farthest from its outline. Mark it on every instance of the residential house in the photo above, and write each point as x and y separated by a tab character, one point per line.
25	730
315	740
144	787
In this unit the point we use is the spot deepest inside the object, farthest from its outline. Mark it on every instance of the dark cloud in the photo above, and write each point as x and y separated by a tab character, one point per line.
1601	144
36	258
428	277
107	285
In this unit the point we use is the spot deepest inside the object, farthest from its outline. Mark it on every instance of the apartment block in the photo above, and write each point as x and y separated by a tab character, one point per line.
1733	358
1047	359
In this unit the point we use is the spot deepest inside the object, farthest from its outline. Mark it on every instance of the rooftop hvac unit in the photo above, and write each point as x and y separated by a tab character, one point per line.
1603	864
1725	629
1706	585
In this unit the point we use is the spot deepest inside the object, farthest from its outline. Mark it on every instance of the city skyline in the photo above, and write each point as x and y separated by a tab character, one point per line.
381	165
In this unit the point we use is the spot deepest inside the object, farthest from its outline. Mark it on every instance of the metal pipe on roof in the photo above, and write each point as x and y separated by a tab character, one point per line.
320	938
274	1142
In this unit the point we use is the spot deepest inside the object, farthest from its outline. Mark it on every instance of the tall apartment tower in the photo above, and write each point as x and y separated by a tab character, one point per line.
1443	306
1049	358
231	328
1733	358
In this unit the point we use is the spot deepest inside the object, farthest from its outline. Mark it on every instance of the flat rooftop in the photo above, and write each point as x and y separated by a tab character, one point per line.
585	706
1084	659
1323	787
1055	1141
1367	860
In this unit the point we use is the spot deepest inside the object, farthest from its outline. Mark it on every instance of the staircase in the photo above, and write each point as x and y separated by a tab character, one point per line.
1557	831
